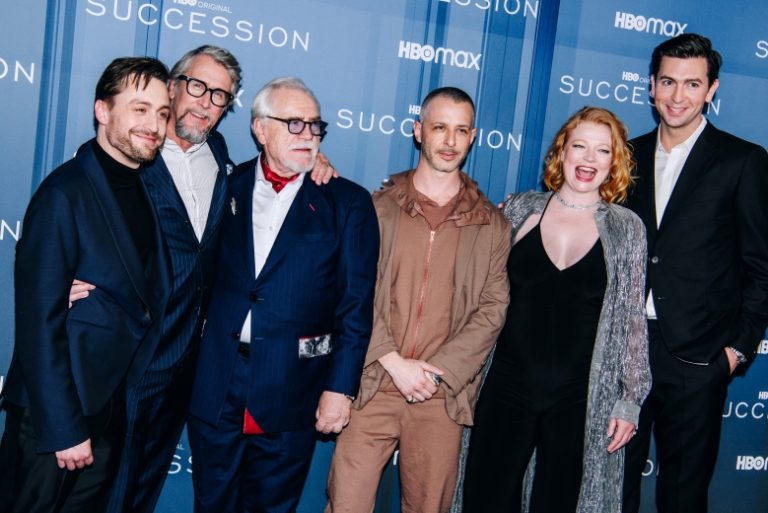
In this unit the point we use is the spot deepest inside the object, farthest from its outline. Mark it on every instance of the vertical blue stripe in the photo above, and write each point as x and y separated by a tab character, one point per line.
54	88
536	110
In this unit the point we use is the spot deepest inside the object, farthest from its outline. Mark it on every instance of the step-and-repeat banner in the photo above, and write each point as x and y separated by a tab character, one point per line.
527	63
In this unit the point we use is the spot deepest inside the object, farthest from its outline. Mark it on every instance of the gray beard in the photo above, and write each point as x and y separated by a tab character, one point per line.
191	136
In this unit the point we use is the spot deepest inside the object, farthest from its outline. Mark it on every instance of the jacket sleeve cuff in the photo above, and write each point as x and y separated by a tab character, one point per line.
626	411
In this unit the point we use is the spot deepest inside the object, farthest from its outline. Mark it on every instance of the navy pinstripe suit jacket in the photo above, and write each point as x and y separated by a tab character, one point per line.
191	262
318	279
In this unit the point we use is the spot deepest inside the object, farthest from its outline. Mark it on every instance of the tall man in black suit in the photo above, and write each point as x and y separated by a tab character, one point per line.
90	218
702	195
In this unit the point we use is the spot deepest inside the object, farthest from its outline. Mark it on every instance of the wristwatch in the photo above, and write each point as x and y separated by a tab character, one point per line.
740	358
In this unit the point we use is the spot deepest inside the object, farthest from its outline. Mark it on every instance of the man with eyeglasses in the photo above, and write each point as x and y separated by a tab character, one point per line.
290	315
186	185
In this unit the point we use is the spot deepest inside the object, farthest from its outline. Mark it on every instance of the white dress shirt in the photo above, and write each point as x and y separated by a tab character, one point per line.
667	168
194	175
269	211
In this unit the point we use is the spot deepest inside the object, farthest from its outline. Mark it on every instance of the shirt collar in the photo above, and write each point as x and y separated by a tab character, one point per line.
686	145
261	179
171	145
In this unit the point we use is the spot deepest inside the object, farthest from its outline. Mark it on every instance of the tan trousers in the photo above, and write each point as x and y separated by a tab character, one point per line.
429	449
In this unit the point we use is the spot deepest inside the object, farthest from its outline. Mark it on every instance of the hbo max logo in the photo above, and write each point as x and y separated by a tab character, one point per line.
427	53
627	21
751	463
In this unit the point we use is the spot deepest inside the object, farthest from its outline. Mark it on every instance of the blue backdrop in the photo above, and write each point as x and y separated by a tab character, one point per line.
527	63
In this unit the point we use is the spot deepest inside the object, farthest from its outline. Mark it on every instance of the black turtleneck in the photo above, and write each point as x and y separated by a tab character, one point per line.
129	193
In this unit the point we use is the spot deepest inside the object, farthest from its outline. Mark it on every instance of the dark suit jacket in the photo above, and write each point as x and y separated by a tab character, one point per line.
192	261
318	279
68	363
708	260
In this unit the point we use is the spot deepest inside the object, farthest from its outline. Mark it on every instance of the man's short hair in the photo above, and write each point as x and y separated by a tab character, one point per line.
124	70
688	46
452	93
262	102
218	54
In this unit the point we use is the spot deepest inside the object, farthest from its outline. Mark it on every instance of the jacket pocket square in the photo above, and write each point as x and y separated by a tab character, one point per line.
319	345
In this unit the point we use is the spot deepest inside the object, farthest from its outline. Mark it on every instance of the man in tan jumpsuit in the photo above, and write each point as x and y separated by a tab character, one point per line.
441	298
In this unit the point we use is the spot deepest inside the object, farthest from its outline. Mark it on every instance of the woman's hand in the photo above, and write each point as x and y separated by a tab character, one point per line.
620	432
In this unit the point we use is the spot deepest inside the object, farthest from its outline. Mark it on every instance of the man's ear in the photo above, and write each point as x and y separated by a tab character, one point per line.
171	89
257	127
101	112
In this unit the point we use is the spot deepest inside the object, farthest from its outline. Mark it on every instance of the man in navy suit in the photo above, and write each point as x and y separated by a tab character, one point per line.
290	315
186	185
701	193
90	218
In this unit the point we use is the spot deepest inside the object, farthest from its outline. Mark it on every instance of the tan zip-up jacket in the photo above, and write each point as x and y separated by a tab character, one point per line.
479	303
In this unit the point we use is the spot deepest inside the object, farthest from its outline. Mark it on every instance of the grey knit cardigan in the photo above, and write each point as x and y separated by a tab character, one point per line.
619	378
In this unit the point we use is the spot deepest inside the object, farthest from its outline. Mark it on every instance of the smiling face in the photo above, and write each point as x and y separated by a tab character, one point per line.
680	90
287	153
445	133
193	118
132	124
587	159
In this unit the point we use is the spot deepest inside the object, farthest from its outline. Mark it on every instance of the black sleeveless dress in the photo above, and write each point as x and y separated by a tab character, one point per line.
534	396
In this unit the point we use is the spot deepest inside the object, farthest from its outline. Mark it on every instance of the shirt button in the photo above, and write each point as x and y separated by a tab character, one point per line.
655	260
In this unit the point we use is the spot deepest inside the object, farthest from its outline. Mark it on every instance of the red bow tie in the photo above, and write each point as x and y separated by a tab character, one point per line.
278	182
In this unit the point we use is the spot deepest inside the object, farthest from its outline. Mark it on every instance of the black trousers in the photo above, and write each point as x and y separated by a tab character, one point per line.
684	412
33	483
506	432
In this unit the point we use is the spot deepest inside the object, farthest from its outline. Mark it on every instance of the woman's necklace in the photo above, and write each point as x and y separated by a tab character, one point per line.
574	205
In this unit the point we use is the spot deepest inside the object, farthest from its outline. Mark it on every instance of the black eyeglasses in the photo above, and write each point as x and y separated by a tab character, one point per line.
197	88
296	126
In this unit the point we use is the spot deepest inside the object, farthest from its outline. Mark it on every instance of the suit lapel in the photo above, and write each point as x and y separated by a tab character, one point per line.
645	187
307	202
219	198
160	184
696	165
117	227
240	205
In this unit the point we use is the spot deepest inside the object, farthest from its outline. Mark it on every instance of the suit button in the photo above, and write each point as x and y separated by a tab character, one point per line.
253	296
655	260
236	335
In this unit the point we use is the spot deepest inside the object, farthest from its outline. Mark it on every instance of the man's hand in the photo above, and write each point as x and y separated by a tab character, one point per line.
75	457
410	376
733	361
500	206
332	412
620	432
79	290
323	170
